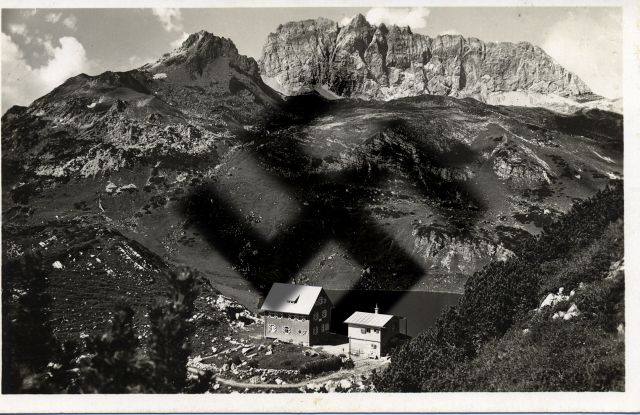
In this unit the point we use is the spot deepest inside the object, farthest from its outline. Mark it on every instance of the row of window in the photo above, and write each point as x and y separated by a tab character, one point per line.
287	330
365	331
298	317
285	315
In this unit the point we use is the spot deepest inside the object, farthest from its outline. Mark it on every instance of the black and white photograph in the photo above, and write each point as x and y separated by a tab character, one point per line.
327	200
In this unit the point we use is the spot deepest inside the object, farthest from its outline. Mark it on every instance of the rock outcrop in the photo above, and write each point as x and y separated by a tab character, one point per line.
444	249
378	62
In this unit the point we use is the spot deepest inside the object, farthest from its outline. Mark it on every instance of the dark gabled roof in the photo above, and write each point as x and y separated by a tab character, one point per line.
361	318
291	298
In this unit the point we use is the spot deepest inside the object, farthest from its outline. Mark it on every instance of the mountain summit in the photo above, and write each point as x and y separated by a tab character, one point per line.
202	48
382	62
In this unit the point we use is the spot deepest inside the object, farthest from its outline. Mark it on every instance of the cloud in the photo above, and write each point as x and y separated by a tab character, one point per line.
18	29
136	62
15	73
71	22
53	17
597	35
178	42
450	32
416	17
345	21
171	19
21	83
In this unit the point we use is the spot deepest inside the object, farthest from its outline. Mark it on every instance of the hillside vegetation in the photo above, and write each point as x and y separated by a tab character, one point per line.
549	319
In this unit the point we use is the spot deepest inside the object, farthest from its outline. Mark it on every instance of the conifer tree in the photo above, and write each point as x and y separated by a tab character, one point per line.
27	338
113	364
171	328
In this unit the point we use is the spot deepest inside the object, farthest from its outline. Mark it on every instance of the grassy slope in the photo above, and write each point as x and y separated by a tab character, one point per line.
497	340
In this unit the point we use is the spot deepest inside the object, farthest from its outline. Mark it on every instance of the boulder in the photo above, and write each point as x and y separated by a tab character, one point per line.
110	188
345	384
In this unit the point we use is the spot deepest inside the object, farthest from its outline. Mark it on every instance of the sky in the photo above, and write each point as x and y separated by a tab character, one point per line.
41	48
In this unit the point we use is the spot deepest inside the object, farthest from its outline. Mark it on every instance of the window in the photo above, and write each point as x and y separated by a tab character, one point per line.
376	331
315	330
279	315
315	316
272	328
374	346
363	331
321	300
286	329
302	332
324	313
326	327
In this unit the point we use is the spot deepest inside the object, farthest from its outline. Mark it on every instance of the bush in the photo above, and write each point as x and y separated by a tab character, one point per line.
579	247
322	365
348	364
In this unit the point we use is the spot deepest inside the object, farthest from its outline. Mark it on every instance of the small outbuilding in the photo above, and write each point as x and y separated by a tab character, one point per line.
373	334
298	314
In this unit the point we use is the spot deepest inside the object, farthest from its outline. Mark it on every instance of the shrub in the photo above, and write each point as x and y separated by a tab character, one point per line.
579	247
169	345
28	343
348	364
115	365
322	365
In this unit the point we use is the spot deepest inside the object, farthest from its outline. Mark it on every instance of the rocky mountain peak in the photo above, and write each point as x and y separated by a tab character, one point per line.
203	48
208	45
382	62
382	28
358	21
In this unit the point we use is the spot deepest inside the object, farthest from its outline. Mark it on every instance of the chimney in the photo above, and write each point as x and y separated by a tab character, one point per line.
376	309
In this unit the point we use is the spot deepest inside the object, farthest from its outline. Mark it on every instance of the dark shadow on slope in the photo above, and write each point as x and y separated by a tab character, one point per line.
335	203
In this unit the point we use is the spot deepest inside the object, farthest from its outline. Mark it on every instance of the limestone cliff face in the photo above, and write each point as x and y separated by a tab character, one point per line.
441	248
379	62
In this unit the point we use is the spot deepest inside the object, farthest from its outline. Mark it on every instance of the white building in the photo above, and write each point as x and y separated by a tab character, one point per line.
297	314
371	334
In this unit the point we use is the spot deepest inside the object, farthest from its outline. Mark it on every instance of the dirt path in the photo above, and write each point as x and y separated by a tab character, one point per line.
336	375
341	374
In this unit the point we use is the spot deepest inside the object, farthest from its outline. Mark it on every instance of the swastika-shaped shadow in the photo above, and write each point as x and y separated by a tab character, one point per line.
334	208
